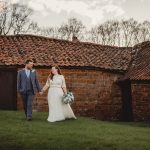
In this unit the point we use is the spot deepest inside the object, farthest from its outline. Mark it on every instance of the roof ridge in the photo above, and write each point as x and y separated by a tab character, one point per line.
63	40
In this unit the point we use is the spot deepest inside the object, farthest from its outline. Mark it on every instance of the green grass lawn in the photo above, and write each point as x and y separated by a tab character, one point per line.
80	134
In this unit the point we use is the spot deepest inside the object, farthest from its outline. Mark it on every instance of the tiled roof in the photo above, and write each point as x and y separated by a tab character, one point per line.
140	67
14	50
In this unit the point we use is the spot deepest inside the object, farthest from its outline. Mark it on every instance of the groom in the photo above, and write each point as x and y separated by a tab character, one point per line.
27	86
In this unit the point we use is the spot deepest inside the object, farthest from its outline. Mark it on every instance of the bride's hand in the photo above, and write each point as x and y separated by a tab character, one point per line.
65	93
41	93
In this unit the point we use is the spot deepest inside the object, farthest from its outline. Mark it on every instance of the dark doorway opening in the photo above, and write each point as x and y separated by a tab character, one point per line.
127	114
8	89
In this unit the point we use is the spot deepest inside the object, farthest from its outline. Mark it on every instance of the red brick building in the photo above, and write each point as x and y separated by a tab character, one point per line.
108	82
138	76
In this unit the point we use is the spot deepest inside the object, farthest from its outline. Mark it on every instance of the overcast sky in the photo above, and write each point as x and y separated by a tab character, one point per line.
91	12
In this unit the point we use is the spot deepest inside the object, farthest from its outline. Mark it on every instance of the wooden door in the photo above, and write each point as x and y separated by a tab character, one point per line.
8	92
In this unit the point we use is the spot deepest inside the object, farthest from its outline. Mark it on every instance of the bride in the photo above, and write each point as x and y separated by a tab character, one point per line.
57	88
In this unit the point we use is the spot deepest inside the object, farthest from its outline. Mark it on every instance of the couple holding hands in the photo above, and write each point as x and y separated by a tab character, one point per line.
28	85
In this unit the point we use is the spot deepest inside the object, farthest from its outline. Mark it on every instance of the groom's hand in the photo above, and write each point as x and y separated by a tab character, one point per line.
41	93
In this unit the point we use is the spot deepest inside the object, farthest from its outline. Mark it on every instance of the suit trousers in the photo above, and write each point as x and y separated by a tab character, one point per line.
27	103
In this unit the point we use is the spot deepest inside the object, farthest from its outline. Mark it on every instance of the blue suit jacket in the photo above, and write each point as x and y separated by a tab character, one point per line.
21	82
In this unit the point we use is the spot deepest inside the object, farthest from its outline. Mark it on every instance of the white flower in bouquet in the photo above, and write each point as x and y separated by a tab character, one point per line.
68	98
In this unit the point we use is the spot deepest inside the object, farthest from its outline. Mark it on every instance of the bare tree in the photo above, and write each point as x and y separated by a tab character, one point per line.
121	33
145	31
128	27
106	33
52	32
94	34
15	19
72	27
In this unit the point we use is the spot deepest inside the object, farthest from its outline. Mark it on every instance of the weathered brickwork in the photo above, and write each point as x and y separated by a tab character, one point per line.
141	101
96	93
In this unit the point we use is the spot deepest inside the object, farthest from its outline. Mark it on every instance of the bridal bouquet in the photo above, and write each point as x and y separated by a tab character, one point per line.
68	98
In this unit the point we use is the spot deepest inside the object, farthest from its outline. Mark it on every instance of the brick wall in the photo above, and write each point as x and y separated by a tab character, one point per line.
95	91
141	101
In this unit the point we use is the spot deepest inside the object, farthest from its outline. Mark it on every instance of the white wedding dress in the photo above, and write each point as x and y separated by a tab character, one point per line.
57	109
